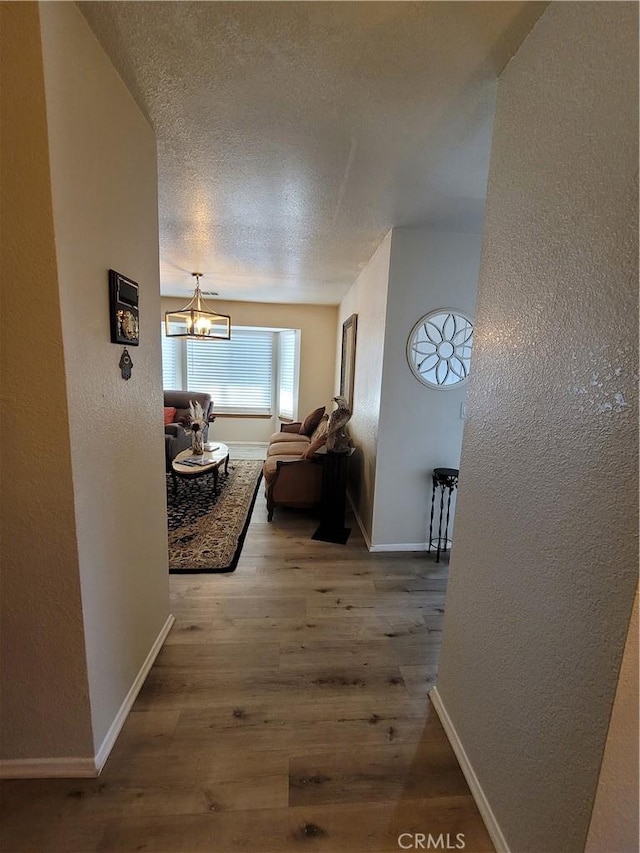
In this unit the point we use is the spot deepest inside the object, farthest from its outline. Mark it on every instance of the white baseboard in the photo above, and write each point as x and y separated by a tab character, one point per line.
490	821
47	768
400	546
123	712
365	535
72	768
375	549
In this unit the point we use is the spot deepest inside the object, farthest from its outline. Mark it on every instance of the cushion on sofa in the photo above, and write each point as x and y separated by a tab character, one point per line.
169	414
287	448
181	400
183	416
311	421
270	467
286	436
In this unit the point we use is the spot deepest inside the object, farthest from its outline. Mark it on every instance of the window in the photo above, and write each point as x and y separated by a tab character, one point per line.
171	378
245	375
237	373
287	374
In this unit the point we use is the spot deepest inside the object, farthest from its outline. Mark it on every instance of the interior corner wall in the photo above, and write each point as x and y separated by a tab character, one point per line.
104	190
420	428
317	325
367	298
614	821
545	560
43	679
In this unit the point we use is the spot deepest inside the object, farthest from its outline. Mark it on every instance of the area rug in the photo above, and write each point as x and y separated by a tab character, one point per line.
207	535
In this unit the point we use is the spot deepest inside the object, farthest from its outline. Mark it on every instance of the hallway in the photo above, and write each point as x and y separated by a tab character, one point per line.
287	710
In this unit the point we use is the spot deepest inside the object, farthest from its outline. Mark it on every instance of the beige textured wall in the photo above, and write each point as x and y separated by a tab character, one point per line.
367	298
317	324
614	822
103	174
420	428
545	561
43	689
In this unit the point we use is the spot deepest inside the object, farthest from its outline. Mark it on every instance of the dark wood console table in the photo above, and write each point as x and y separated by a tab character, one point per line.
335	470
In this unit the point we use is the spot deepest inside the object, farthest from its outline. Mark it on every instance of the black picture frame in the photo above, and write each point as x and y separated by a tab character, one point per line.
123	309
348	365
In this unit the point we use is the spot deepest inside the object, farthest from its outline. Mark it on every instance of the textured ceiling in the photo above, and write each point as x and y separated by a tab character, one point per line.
292	136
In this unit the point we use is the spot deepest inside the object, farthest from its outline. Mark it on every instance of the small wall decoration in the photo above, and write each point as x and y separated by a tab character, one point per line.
125	364
439	349
348	366
123	304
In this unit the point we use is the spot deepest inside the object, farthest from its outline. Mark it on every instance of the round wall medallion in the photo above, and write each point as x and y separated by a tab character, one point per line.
439	349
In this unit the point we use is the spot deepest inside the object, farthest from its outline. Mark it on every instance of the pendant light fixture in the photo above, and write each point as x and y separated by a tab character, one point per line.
197	320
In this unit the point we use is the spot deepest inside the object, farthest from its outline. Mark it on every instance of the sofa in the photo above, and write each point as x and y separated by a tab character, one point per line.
176	438
292	470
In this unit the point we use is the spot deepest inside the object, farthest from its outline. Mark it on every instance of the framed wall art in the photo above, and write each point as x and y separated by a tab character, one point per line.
439	349
348	365
123	305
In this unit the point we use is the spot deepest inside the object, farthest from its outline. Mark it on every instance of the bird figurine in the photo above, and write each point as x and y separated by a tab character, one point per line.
337	437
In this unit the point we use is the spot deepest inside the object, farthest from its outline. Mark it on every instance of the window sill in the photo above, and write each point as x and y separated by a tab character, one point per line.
232	415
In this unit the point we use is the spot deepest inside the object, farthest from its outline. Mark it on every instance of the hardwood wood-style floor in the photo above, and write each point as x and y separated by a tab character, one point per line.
287	711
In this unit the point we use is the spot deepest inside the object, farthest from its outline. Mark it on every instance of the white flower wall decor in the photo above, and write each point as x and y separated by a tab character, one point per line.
439	349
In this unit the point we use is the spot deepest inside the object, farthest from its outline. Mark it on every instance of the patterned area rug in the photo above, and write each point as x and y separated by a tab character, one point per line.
207	535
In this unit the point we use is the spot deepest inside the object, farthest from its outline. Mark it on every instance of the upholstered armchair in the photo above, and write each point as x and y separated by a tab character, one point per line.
175	437
292	470
292	482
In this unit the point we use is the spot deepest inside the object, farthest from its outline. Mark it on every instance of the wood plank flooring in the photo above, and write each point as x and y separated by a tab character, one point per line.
287	711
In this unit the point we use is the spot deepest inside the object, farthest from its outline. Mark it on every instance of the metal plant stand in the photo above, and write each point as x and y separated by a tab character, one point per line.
443	478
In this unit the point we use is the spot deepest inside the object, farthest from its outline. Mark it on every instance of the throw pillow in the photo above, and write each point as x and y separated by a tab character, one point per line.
315	445
169	414
311	421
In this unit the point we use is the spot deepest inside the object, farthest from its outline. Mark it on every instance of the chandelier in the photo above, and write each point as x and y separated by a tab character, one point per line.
197	320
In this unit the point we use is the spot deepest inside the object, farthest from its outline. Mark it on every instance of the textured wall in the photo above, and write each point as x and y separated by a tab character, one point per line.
43	689
103	175
544	566
420	427
614	822
368	299
317	324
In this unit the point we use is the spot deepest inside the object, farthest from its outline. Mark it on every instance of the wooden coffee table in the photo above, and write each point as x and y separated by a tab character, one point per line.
211	463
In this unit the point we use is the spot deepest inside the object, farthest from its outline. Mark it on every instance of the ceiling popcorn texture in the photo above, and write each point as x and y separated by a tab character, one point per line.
291	136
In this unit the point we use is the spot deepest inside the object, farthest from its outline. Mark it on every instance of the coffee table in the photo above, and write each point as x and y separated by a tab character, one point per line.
209	463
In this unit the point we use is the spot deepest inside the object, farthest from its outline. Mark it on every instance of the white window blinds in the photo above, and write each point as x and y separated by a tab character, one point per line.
287	374
170	361
237	373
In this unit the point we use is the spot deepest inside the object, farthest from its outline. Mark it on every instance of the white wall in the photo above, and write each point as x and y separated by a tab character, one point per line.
43	674
368	299
103	178
614	822
317	324
545	560
420	428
